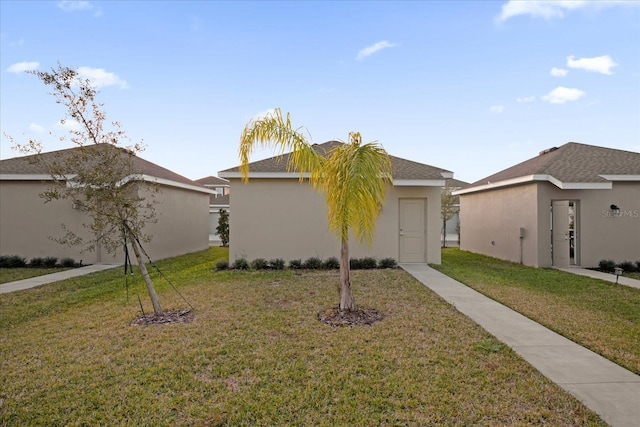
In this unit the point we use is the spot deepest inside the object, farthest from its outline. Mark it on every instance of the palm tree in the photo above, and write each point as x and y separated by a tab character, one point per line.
354	178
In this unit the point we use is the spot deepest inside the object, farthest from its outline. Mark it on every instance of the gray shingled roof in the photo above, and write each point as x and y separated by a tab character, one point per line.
212	181
403	169
26	165
572	163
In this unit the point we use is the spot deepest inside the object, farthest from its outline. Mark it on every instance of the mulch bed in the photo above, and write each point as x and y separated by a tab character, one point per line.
356	317
171	316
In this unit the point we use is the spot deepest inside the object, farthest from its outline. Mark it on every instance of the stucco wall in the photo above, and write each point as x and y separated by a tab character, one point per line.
490	223
283	218
183	223
600	234
497	215
26	223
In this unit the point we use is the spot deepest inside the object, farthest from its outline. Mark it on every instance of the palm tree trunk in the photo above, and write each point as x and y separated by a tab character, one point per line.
346	299
157	308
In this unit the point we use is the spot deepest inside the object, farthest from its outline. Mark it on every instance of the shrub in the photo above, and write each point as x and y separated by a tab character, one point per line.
222	264
369	263
638	265
627	266
331	263
277	264
240	264
259	264
36	262
295	264
223	227
387	263
50	261
355	264
12	261
363	263
606	265
67	263
312	263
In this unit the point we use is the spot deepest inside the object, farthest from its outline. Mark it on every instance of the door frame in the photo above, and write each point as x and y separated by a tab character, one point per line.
572	232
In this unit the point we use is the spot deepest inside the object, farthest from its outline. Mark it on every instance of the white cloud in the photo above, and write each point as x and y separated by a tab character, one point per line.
560	95
68	124
551	9
78	5
370	50
100	78
535	8
526	99
497	109
558	72
21	67
36	128
73	6
599	64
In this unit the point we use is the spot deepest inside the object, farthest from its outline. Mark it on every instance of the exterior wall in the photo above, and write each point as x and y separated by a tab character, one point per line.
183	223
26	223
601	235
284	218
490	223
496	215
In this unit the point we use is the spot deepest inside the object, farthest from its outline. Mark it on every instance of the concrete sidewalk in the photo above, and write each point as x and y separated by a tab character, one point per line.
608	389
622	280
19	285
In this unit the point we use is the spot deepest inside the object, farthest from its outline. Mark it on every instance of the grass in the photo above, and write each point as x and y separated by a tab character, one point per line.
11	274
596	314
256	355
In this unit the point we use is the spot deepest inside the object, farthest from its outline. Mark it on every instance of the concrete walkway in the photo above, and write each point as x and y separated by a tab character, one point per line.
19	285
608	389
622	280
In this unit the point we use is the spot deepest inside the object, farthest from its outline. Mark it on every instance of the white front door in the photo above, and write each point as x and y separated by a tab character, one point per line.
412	230
560	233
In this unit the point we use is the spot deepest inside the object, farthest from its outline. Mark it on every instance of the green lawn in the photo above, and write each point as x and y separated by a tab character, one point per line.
599	315
256	355
11	274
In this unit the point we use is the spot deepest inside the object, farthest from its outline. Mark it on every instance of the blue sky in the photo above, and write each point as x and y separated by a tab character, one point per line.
469	86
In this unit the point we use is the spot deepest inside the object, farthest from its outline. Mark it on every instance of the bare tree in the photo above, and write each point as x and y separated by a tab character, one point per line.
98	175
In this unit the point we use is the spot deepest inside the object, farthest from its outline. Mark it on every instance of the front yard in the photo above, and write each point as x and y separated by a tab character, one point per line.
257	355
599	315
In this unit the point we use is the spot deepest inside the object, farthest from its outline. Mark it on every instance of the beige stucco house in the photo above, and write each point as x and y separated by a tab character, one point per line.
275	215
575	204
27	223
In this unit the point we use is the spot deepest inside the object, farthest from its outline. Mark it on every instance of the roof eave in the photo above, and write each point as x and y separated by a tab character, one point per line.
147	178
536	178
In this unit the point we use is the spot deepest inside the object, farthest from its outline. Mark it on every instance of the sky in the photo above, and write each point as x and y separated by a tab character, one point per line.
473	87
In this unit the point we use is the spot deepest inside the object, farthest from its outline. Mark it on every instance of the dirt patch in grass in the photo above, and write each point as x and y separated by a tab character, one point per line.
360	316
171	316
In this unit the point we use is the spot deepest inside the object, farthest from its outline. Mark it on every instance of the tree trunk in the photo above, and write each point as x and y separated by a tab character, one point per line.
157	309
444	233
346	299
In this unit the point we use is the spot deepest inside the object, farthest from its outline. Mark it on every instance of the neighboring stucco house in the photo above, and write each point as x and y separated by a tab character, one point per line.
218	200
277	216
26	222
575	204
